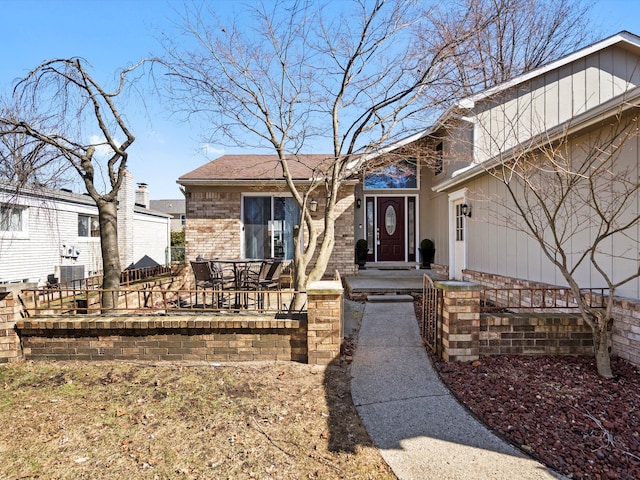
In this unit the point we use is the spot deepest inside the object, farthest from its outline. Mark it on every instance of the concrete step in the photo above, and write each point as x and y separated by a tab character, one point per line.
389	298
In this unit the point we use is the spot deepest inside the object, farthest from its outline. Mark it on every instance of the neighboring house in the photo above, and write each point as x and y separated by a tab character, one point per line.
174	207
47	233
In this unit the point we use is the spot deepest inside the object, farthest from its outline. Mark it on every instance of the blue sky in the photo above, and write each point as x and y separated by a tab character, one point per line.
112	34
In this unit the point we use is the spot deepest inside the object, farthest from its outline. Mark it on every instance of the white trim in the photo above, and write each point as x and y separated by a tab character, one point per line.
454	197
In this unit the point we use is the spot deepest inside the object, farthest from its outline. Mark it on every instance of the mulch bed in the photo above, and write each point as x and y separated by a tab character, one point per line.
557	409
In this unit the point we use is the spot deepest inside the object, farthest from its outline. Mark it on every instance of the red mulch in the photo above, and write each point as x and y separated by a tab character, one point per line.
557	409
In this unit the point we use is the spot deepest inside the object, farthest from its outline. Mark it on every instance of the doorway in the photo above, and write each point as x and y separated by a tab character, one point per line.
391	228
457	235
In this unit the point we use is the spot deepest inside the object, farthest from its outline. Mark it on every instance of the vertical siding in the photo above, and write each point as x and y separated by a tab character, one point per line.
497	243
553	98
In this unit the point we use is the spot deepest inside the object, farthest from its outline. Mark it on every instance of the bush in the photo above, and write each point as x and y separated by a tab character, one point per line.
427	244
362	244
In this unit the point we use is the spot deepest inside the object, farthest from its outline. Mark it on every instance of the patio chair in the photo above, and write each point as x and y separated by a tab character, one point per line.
204	276
266	278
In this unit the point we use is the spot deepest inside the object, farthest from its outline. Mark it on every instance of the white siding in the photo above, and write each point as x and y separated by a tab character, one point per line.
152	238
53	223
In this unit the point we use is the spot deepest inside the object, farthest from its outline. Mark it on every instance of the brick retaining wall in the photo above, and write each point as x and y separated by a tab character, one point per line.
625	338
203	339
534	334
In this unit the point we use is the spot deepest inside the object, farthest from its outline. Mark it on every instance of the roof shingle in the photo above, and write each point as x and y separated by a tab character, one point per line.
257	167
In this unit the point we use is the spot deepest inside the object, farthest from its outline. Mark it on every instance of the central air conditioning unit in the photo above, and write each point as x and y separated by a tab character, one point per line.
72	275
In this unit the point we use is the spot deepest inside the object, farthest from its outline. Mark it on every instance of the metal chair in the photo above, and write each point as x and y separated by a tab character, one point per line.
204	276
266	278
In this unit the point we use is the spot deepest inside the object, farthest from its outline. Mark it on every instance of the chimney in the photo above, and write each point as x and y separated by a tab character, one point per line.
142	195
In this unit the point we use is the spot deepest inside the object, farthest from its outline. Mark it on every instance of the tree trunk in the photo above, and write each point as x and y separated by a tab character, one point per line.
110	253
601	338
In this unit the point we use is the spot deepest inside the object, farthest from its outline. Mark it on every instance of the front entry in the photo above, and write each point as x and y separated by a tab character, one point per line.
390	229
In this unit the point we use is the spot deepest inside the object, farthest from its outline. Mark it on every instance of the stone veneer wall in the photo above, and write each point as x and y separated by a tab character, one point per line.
626	312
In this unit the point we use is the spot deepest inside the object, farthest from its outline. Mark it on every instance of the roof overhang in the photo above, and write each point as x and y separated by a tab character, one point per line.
576	125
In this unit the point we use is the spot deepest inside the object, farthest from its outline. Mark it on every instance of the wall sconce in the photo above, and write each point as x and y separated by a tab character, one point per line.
465	210
358	203
313	205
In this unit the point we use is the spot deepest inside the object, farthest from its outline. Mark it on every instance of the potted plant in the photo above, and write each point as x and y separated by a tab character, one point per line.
427	252
362	250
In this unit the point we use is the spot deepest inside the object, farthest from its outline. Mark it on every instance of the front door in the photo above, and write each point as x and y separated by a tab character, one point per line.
390	229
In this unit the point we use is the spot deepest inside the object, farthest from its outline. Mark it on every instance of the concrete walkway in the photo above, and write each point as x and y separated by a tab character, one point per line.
421	430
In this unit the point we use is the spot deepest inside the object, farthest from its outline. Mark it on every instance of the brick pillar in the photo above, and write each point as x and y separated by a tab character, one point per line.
10	348
324	329
460	320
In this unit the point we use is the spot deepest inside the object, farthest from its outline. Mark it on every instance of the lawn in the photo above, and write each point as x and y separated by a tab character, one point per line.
132	421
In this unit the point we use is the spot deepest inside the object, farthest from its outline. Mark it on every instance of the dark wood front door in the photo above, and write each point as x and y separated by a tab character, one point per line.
391	229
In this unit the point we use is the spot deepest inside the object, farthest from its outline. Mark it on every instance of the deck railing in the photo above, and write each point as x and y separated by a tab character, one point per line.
541	299
69	301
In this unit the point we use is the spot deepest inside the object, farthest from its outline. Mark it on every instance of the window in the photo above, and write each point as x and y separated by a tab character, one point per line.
88	226
399	175
12	218
459	223
183	219
269	224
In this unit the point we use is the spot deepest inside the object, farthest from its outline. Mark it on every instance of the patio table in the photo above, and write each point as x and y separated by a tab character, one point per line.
240	265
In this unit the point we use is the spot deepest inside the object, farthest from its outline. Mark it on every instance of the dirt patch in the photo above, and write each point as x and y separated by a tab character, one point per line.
557	410
118	420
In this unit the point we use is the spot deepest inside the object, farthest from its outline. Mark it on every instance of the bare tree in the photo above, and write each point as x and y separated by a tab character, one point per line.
69	106
521	35
285	76
24	159
577	198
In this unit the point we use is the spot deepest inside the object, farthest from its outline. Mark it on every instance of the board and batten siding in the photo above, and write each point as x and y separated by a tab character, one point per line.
496	242
515	115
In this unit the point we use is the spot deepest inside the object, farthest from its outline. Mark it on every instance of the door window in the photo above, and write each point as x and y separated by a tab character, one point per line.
390	220
459	223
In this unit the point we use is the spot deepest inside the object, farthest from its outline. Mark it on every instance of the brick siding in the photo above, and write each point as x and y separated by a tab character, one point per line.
213	225
534	334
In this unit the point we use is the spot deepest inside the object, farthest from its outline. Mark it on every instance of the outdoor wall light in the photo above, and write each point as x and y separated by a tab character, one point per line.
465	210
358	203
313	205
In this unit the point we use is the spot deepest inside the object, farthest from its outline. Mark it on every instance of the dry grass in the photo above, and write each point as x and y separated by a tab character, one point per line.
128	421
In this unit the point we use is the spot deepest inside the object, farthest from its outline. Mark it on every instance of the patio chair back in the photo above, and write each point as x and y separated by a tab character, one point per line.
272	270
203	274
